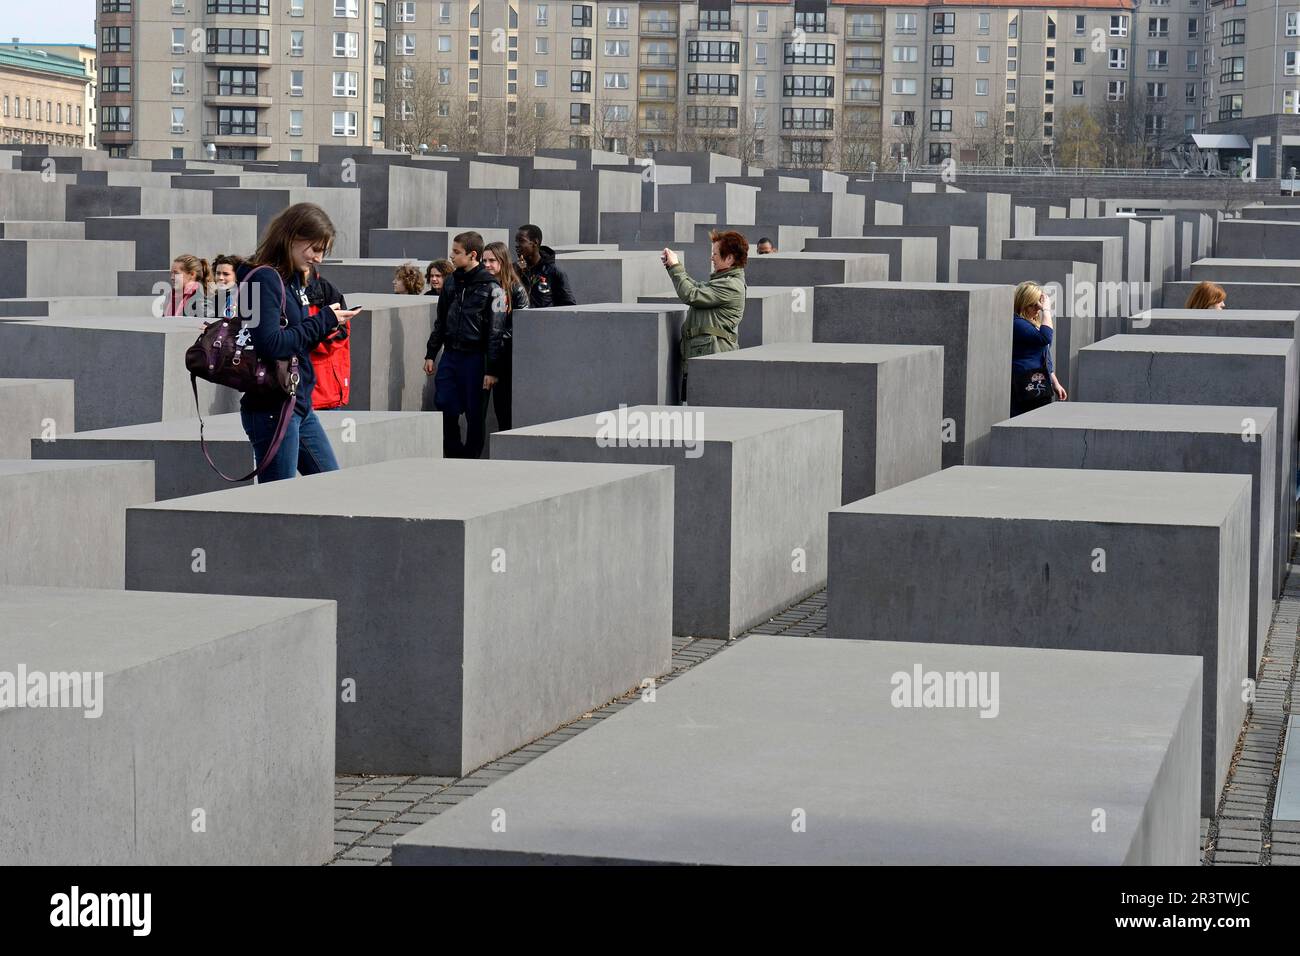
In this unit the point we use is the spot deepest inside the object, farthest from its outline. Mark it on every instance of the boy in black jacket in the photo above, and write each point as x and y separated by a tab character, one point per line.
469	330
545	281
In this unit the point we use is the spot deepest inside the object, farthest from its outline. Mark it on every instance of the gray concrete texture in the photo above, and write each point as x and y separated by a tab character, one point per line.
1023	551
79	306
424	244
215	709
601	190
953	243
781	729
65	521
388	343
728	202
911	259
1131	231
816	268
531	612
583	359
343	206
34	268
1241	295
33	409
180	469
1200	370
990	213
971	322
752	489
772	314
1224	269
892	429
1111	298
556	211
158	240
833	213
1206	439
1256	238
618	276
1248	323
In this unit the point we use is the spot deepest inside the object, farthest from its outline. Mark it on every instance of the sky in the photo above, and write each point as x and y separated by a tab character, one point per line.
48	21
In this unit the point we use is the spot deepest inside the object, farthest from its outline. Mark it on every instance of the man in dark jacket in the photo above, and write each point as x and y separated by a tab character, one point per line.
470	331
546	283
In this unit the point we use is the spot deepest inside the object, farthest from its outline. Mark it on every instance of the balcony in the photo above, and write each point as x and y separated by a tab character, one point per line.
695	27
657	93
659	28
868	31
249	134
810	29
217	93
658	61
864	64
862	96
655	126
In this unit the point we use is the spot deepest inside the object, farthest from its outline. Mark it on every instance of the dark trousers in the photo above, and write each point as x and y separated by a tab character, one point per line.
458	391
305	449
500	392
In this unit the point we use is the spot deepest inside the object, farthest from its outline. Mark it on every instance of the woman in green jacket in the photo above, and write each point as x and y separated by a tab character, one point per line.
716	306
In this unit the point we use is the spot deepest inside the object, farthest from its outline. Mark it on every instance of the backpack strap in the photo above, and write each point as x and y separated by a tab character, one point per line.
281	427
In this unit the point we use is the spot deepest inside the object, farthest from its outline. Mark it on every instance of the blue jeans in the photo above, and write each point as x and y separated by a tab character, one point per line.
305	447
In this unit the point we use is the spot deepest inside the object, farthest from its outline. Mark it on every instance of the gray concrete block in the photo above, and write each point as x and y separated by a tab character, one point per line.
911	259
31	408
888	394
502	641
81	306
388	342
772	314
752	487
93	354
1249	323
783	730
1210	439
971	322
833	213
558	212
1223	269
616	276
660	228
728	202
373	276
65	521
1072	287
1024	225
627	354
1256	238
214	704
990	213
1199	370
180	470
954	243
1023	547
1131	231
42	230
158	239
1112	298
788	238
1161	251
424	244
133	283
599	190
1241	295
394	195
264	203
35	268
816	268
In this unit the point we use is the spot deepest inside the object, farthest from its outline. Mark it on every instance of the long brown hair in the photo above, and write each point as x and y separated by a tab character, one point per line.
200	268
1206	295
507	275
304	220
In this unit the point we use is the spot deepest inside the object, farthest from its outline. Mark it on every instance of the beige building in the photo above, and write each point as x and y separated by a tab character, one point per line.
87	56
43	98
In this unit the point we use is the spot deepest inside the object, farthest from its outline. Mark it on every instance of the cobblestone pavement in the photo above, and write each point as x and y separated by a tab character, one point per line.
371	812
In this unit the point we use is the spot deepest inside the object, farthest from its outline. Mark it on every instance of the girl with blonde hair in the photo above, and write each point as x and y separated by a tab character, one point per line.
1033	374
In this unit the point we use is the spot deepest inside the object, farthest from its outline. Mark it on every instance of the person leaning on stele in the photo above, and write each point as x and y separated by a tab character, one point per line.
717	305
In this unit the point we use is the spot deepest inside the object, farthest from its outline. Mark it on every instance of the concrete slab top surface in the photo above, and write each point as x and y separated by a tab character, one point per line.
1211	315
1121	416
822	353
1063	494
60	629
169	325
1271	263
420	489
619	308
25	466
1192	345
715	769
389	300
221	428
891	286
718	424
28	382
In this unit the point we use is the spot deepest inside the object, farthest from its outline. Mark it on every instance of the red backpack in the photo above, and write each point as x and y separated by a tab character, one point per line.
332	360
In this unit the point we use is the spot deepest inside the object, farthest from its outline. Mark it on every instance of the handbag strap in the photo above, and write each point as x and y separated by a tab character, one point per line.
281	427
278	278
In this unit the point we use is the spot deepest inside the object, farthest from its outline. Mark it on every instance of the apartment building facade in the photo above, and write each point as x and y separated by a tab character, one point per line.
42	98
88	58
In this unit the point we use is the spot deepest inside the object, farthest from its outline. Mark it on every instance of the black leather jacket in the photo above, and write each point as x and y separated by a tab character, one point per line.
472	316
547	284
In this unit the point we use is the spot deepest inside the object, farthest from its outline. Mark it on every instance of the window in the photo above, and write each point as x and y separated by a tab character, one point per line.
1076	87
178	119
296	42
1291	101
178	39
112	6
345	45
942	55
405	111
715	51
616	81
808	86
813	53
616	18
1116	90
380	46
1233	69
236	122
940	152
1013	28
579	114
1157	59
904	54
117	79
295	122
405	11
405	45
444	44
580	48
941	88
346	8
940	121
904	87
1157	92
444	76
345	84
1080	54
1117	58
1193	27
581	15
713	84
1230	106
379	90
1119	26
250	42
905	23
115	40
1234	32
944	23
235	82
1189	92
801	117
981	119
982	54
805	152
1293	24
760	117
760	85
981	87
903	118
616	47
1080	24
1157	27
541	77
760	52
715	117
377	129
983	26
252	7
542	46
112	119
343	123
579	81
1191	60
1290	66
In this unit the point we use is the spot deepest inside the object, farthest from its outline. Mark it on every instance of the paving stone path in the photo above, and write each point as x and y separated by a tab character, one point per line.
371	812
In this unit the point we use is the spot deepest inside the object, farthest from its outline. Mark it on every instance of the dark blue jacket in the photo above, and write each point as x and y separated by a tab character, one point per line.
301	333
1031	346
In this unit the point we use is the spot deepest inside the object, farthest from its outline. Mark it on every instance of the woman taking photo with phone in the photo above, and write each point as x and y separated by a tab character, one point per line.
1033	374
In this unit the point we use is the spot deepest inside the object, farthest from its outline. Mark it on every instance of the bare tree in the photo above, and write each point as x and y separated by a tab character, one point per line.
1027	137
413	101
611	121
536	127
1079	139
903	141
858	140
